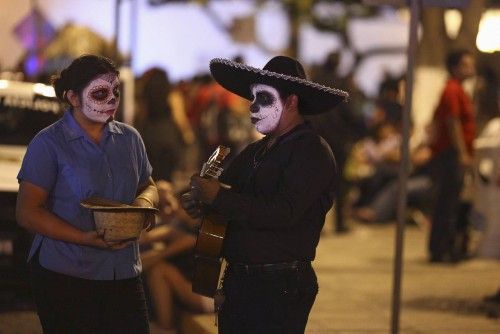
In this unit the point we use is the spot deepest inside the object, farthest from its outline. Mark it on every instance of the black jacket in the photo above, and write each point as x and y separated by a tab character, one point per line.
276	207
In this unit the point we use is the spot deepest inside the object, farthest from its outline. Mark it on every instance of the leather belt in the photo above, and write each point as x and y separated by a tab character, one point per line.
243	268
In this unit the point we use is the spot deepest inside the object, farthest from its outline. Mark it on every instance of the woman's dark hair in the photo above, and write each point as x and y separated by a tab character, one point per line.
79	73
453	59
155	91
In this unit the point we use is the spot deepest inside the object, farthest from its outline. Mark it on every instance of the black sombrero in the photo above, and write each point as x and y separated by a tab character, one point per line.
282	73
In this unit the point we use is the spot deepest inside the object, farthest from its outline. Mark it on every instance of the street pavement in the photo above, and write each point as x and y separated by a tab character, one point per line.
355	274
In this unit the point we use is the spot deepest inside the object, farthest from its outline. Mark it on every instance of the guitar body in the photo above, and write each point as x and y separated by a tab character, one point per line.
207	256
208	249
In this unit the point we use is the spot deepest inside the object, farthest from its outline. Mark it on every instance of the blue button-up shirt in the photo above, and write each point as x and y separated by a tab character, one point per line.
64	161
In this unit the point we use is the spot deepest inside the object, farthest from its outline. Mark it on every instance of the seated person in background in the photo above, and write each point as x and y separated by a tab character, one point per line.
384	203
167	262
373	162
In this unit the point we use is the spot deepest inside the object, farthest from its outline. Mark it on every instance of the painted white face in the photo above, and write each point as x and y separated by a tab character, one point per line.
100	99
266	108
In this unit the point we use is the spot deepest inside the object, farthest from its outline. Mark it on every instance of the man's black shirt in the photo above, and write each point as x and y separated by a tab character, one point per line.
276	207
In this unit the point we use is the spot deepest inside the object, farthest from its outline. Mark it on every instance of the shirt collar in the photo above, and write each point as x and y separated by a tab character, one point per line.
72	129
304	126
114	128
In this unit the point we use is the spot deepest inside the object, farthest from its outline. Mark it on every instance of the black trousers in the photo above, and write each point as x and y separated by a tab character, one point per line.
450	214
275	302
67	304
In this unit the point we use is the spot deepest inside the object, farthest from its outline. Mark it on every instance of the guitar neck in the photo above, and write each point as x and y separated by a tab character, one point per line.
213	167
210	171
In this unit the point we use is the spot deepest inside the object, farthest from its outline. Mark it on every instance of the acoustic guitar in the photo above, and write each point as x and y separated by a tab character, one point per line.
208	249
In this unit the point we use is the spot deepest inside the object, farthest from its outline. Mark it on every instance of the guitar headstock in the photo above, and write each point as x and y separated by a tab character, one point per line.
213	167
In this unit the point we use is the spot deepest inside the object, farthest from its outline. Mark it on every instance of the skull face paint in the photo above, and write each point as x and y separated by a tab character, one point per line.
101	97
266	108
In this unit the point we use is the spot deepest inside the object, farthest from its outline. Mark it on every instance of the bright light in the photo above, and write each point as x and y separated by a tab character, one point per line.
487	38
452	20
44	90
4	84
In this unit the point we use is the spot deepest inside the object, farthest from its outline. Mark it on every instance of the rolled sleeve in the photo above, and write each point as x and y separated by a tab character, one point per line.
39	165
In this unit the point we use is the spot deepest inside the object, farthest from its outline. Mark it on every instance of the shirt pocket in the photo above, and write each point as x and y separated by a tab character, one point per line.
69	182
126	177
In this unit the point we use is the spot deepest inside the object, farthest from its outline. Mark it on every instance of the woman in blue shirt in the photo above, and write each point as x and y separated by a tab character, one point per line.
82	283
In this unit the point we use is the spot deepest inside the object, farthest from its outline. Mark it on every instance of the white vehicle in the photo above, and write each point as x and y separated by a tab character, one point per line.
25	109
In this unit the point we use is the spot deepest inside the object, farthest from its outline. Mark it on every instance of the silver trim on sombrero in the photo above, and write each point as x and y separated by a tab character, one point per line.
314	85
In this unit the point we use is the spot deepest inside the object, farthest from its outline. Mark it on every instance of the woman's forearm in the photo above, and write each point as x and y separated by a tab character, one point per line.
147	195
42	221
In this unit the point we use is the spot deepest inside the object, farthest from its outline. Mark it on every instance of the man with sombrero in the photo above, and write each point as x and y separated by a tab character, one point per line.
280	189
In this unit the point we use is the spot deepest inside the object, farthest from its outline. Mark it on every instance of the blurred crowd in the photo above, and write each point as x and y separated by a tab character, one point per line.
183	124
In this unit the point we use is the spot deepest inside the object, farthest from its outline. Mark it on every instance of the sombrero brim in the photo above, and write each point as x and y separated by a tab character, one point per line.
101	204
238	78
